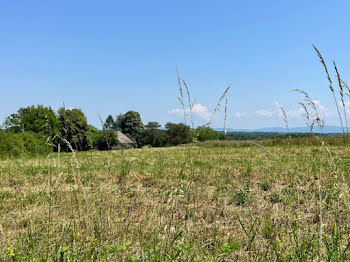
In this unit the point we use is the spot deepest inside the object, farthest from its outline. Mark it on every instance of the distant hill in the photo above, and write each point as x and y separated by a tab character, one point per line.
305	129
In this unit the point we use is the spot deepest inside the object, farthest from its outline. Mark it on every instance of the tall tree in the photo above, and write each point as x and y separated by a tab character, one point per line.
118	122
109	123
37	119
152	125
178	133
131	125
153	136
74	129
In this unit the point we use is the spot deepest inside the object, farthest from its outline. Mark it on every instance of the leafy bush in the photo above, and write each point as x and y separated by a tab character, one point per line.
205	133
20	144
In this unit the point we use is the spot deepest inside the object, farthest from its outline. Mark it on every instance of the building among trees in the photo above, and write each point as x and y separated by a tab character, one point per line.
124	141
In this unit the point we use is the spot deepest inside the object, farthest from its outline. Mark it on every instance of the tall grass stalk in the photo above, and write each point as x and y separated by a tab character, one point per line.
285	118
225	119
190	104
330	87
181	97
217	108
341	91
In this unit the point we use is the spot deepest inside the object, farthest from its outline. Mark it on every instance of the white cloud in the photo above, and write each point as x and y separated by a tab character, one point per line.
176	111
197	110
201	111
241	115
264	113
292	114
321	108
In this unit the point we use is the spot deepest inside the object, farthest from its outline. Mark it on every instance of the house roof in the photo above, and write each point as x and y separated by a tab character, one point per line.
123	139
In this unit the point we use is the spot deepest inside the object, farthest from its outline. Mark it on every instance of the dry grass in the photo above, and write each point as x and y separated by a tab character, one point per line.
187	203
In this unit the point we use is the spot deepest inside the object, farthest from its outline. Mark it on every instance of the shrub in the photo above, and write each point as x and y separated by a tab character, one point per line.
20	144
202	133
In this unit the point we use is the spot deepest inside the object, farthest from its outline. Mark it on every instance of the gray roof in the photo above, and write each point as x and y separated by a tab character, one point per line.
123	139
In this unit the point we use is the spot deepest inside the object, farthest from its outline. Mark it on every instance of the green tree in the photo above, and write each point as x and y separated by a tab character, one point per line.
151	135
73	129
205	133
109	123
178	133
152	126
37	119
106	140
23	143
118	122
93	135
131	125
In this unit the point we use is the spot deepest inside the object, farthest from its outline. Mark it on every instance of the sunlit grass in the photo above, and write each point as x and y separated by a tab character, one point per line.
193	203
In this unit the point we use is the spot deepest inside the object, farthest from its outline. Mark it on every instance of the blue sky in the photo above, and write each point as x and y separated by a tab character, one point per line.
109	57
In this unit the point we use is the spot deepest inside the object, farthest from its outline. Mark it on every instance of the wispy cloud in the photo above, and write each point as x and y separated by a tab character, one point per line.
241	115
265	113
276	112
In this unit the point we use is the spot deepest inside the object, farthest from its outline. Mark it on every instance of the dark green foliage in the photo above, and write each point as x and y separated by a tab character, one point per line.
106	140
178	134
37	119
94	135
131	125
74	129
153	136
118	122
203	133
152	126
271	135
24	143
109	123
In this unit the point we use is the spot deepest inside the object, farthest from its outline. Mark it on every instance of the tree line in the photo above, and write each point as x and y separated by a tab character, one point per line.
40	129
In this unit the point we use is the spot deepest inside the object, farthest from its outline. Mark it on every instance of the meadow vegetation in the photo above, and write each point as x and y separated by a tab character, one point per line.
188	203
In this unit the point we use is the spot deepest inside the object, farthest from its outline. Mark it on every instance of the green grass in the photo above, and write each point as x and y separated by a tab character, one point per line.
194	203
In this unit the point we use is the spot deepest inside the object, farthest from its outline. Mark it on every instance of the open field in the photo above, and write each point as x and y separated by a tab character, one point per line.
192	203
